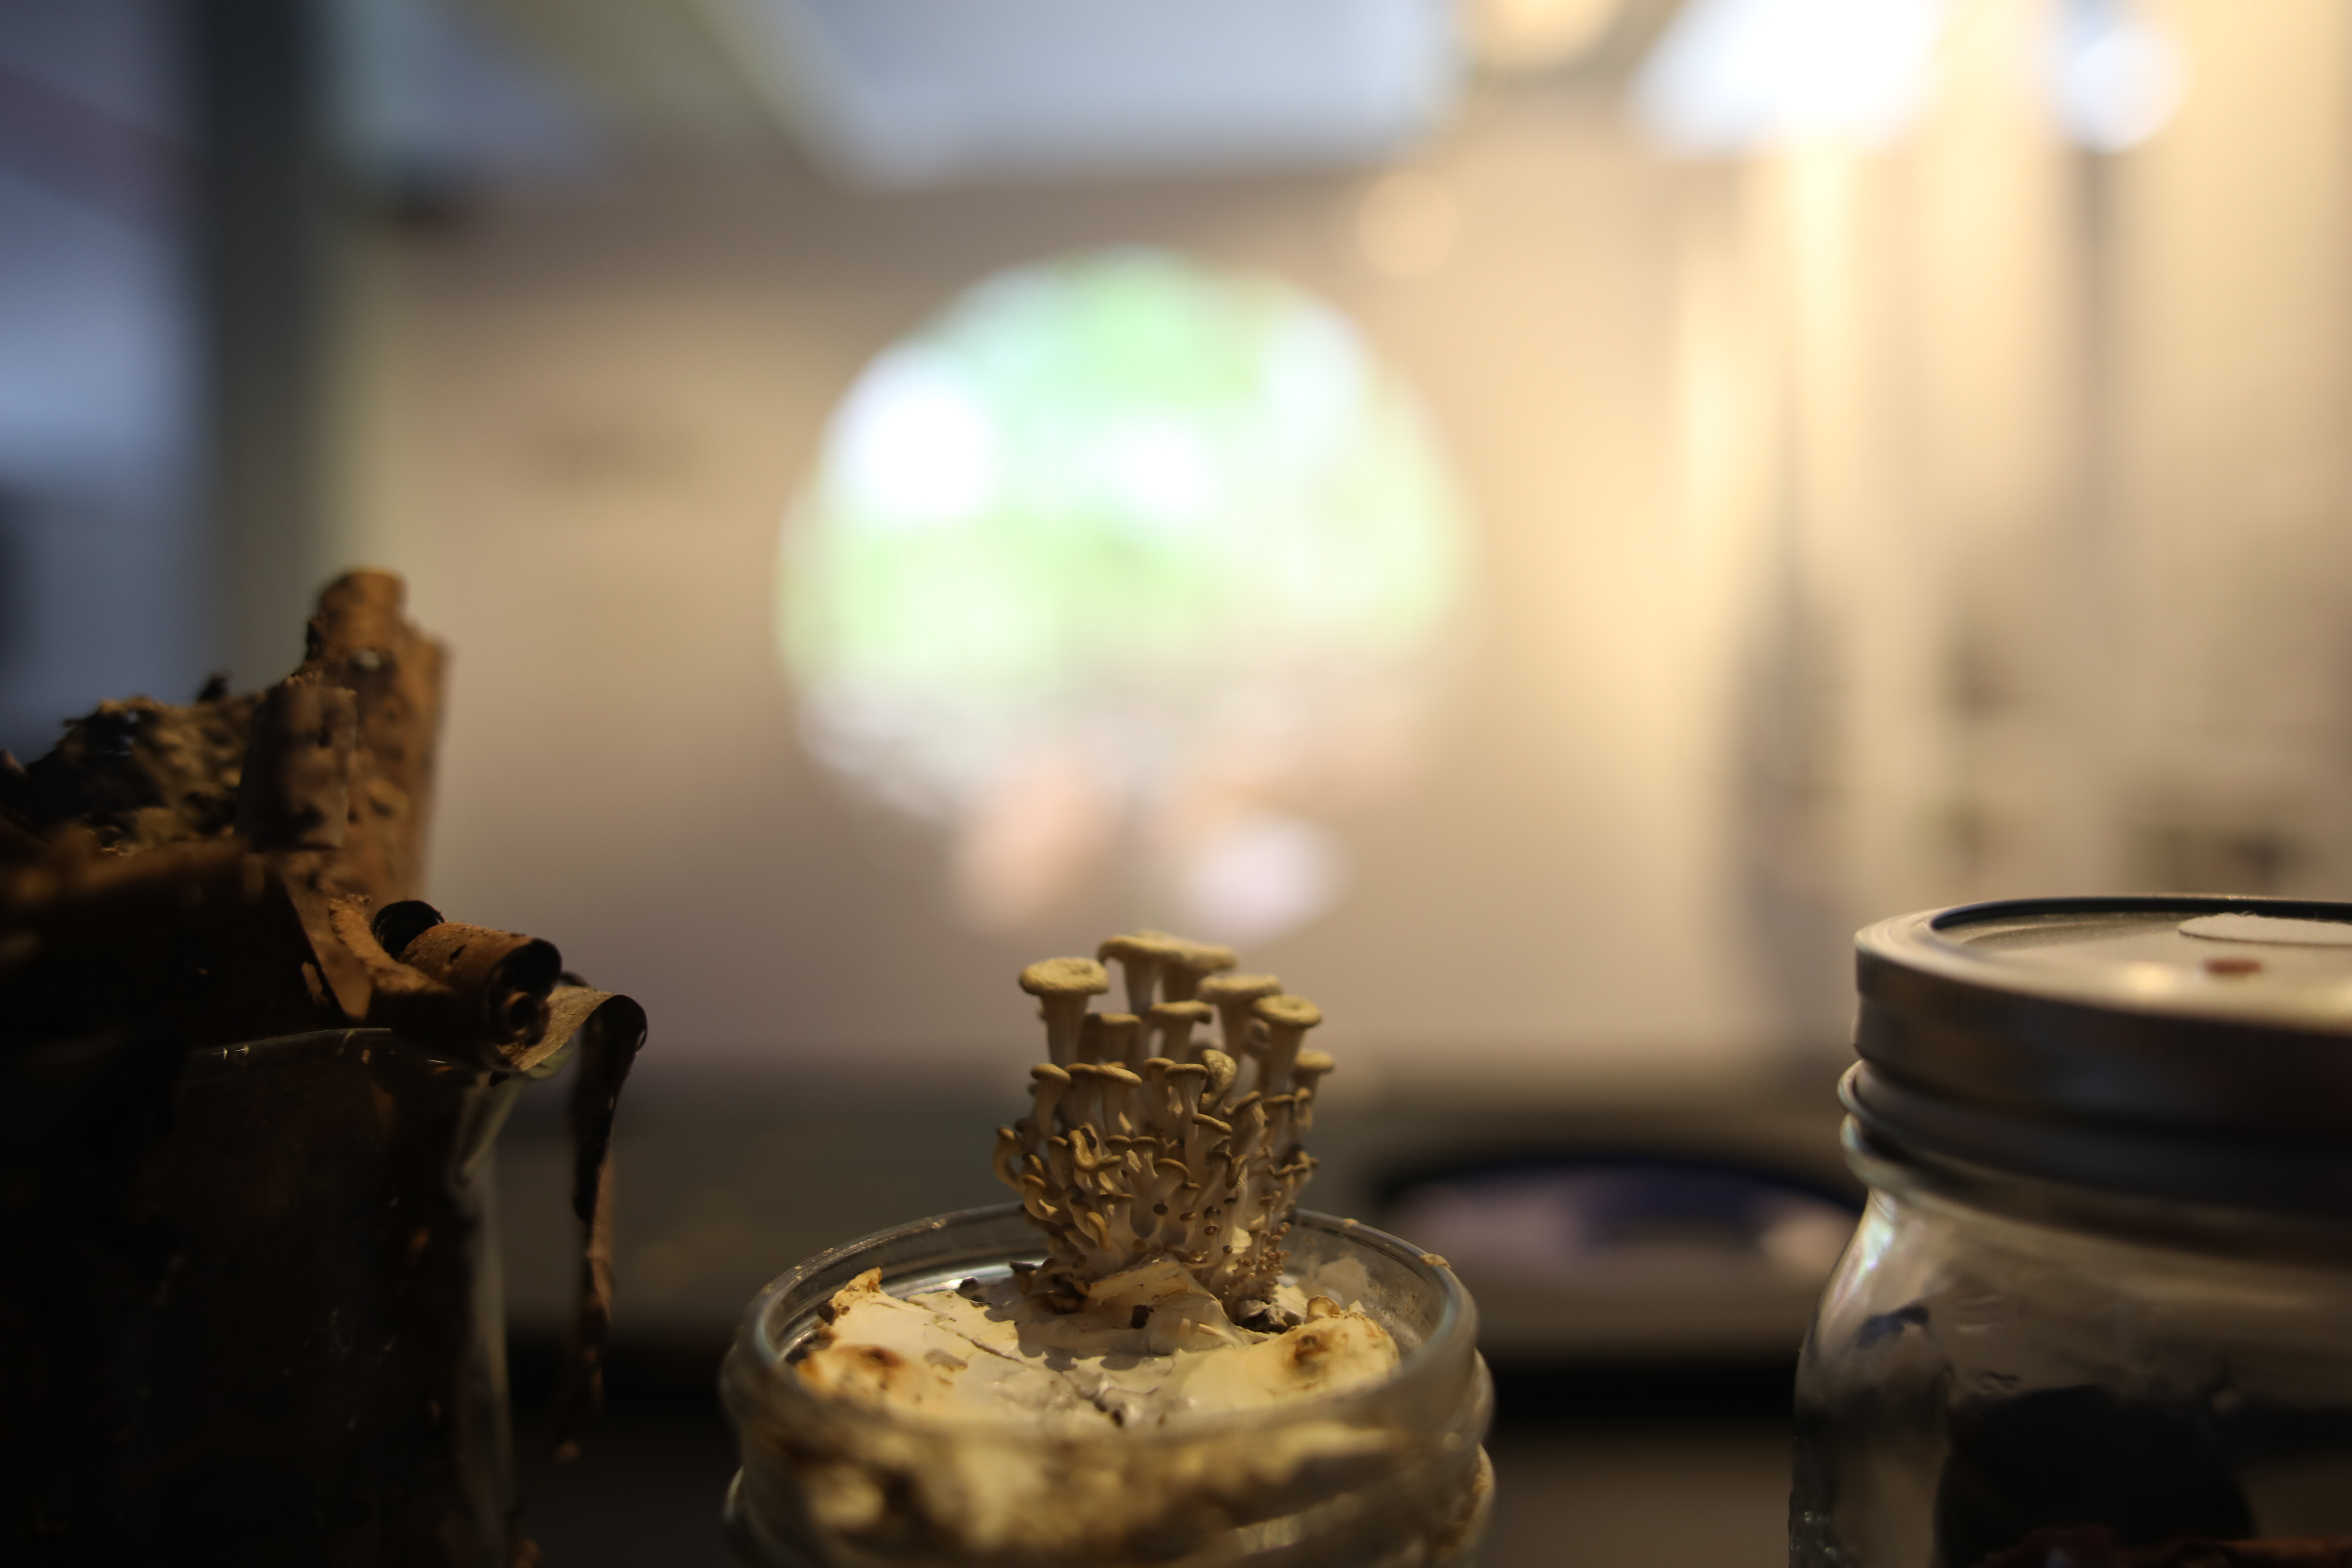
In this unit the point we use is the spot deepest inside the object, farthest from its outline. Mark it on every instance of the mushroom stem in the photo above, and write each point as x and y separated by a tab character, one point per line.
1141	957
1305	1074
1048	1084
1194	962
1119	1039
1063	986
1172	1024
1286	1020
1232	996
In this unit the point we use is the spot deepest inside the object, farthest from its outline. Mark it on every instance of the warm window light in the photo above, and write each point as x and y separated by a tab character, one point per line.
1125	571
1407	223
1734	75
1535	34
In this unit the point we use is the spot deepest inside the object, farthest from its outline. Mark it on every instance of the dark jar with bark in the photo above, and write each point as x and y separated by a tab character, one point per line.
2099	1311
252	1313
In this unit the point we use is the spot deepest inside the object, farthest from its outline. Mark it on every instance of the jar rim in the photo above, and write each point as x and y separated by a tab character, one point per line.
767	1329
269	1047
1888	1162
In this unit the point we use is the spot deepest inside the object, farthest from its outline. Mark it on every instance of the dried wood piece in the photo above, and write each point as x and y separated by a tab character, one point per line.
361	642
137	773
296	788
336	818
200	874
326	776
201	938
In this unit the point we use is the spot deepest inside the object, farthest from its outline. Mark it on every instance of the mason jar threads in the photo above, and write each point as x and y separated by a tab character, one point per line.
1387	1475
2099	1309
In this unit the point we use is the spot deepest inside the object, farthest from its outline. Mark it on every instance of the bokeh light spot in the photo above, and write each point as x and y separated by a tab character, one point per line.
1125	567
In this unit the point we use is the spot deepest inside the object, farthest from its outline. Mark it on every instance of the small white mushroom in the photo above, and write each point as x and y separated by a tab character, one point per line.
1082	1107
1305	1074
1223	1070
1062	986
1180	980
1120	1040
1232	996
1172	1024
1047	1085
1006	1158
1308	1070
1117	1088
1133	1152
1185	1082
1286	1020
1141	958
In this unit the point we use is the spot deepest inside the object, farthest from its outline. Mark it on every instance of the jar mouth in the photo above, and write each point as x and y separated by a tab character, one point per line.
282	1050
2304	1177
1890	1157
1436	1330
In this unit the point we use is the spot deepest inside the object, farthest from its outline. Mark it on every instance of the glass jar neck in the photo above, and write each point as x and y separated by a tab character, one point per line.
1979	1193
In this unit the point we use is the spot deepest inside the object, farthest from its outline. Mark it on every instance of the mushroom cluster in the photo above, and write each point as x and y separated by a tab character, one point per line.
1143	1143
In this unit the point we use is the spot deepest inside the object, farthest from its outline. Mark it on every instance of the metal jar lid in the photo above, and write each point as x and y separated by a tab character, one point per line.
2185	1048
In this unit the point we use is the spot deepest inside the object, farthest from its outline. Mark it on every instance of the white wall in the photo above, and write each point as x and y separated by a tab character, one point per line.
1861	528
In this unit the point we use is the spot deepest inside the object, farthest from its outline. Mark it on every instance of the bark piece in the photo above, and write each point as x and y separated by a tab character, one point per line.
361	642
295	792
201	938
138	774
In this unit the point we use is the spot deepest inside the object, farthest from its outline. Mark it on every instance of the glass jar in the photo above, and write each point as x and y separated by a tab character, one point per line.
253	1311
2099	1310
1389	1475
260	1294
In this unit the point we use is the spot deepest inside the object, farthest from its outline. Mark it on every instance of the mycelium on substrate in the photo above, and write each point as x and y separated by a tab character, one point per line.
1162	1172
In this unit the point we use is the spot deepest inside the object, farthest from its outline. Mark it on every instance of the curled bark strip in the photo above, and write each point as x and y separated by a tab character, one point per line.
397	925
611	1030
504	975
466	992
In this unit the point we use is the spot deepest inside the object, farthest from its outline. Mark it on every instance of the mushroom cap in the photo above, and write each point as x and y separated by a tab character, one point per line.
1143	945
1221	1070
1199	1012
1296	1012
1200	956
1046	1072
1065	977
1316	1062
1238	988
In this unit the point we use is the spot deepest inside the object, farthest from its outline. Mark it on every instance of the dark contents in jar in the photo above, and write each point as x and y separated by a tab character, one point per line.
2096	1548
2081	1478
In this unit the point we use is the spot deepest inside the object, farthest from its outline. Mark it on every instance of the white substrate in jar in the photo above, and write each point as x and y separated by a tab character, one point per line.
1148	1347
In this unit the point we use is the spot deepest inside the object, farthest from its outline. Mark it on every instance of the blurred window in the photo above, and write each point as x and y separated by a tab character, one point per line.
1126	566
